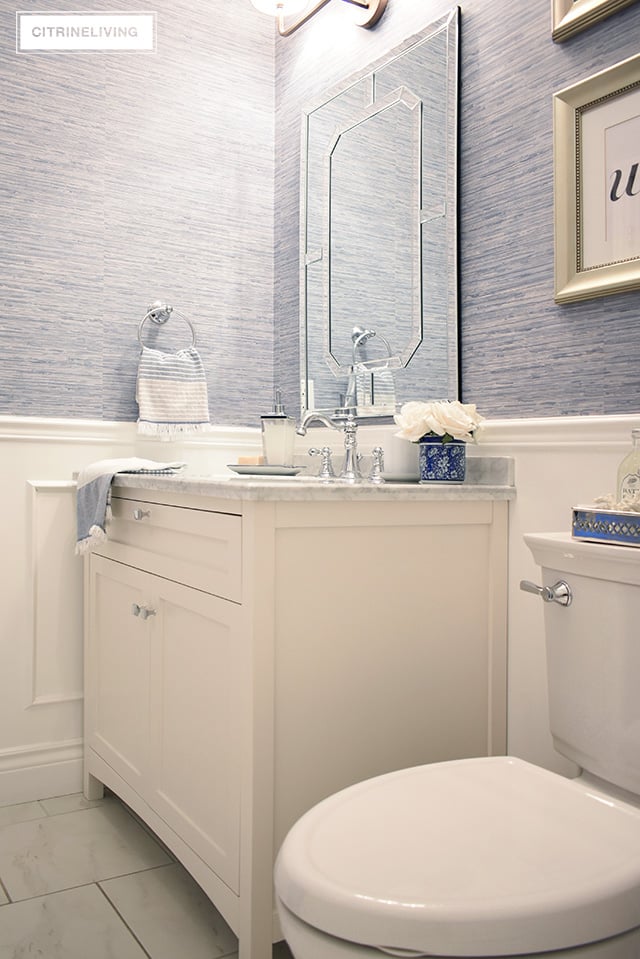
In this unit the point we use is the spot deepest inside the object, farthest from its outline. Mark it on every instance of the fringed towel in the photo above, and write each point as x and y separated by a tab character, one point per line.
172	393
94	493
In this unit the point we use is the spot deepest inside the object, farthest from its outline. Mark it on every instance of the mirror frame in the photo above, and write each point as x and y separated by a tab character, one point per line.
449	23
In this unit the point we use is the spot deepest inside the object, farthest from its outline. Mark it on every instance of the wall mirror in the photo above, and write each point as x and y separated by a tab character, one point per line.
378	250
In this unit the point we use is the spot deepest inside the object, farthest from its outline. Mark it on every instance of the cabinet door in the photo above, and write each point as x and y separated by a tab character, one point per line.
118	653
196	655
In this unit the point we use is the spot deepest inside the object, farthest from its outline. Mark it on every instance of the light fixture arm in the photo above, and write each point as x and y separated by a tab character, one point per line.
374	10
287	31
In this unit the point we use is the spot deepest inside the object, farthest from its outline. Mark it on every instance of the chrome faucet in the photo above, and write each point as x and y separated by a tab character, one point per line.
351	468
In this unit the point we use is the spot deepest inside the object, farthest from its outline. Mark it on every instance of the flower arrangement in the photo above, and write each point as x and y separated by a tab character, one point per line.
448	419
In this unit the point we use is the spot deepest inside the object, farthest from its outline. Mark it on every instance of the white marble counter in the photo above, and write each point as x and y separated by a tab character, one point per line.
488	478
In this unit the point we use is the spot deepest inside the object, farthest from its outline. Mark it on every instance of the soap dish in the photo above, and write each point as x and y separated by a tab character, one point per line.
253	470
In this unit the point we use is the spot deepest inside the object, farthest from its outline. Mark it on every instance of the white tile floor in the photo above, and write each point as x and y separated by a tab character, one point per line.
82	880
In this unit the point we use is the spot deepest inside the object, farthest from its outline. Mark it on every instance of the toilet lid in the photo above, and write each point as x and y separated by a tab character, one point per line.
481	857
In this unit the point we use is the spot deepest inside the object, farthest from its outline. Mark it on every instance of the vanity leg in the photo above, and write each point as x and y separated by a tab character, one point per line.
93	788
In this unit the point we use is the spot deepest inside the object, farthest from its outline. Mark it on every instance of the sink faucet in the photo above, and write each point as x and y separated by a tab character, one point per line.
351	469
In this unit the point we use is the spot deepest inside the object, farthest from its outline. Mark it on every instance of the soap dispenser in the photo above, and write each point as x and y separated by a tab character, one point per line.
278	435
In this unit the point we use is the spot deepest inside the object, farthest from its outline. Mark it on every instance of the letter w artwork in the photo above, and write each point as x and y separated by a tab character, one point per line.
622	162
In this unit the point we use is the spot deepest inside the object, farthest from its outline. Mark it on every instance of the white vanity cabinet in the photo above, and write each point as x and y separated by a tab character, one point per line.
248	654
165	680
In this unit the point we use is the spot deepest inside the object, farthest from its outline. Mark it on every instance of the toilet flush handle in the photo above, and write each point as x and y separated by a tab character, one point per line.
560	592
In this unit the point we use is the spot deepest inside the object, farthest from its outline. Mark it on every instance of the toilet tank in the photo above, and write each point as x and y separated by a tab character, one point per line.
593	654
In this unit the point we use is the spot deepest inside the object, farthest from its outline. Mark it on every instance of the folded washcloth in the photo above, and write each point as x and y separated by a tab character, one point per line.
94	491
171	393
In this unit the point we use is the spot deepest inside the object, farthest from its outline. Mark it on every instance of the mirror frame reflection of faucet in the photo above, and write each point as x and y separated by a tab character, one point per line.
351	468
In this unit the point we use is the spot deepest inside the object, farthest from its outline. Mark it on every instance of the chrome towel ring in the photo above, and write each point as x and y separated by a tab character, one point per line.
159	313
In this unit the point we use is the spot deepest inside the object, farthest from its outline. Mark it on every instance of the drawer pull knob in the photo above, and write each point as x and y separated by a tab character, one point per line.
144	612
141	513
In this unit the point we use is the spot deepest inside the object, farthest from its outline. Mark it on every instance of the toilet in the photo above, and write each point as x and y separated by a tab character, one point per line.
496	857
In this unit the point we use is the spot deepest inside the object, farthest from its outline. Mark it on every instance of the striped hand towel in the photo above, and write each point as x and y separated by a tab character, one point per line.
171	393
94	494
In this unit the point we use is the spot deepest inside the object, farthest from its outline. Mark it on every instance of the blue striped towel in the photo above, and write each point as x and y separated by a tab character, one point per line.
94	493
172	393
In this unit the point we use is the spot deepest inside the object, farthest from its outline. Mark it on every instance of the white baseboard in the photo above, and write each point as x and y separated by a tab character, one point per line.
40	772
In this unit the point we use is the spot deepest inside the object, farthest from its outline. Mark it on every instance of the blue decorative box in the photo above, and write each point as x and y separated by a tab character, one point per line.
605	526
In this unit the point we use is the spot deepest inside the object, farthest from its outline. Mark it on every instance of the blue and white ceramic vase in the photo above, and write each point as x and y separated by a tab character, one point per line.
442	462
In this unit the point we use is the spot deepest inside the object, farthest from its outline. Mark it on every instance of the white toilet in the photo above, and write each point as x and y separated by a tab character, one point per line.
497	857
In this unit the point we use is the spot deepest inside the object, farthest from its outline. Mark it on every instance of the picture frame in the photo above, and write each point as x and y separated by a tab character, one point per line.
596	129
572	16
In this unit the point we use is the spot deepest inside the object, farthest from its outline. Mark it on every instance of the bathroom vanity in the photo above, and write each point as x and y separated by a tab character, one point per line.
254	646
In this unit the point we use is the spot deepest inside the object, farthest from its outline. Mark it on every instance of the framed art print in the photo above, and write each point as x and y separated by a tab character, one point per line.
572	16
596	130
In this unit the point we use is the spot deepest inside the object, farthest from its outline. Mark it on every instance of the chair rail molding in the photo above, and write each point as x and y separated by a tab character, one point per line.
610	431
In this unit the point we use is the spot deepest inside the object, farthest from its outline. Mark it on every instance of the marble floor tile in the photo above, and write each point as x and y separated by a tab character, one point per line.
71	803
83	880
74	924
22	812
170	915
71	849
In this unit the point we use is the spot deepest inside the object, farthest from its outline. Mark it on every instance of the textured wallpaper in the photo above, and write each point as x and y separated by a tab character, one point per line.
130	177
521	354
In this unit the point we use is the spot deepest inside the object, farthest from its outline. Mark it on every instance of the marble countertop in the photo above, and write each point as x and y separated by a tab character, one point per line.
488	478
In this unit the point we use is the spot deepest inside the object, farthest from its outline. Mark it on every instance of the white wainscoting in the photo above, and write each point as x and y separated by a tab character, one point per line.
559	462
55	594
41	585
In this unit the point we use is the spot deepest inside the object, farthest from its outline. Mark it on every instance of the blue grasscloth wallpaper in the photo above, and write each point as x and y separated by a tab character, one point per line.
128	177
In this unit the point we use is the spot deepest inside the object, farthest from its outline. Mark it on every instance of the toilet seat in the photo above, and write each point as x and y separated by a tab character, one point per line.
478	857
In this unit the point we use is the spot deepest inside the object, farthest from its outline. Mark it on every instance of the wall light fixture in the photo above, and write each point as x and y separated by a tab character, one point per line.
367	12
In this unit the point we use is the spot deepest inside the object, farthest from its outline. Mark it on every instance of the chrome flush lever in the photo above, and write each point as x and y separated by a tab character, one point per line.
560	592
141	513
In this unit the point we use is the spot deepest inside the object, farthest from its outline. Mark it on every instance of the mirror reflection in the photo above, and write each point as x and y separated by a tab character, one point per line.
378	250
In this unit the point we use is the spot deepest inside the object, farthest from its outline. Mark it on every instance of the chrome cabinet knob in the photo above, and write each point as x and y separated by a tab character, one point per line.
144	612
141	513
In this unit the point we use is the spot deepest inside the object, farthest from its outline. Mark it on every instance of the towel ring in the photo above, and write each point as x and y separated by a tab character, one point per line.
159	313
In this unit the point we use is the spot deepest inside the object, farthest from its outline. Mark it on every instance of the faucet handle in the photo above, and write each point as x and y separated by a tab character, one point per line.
326	466
377	465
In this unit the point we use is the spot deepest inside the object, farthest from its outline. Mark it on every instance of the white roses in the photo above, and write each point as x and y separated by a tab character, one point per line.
446	418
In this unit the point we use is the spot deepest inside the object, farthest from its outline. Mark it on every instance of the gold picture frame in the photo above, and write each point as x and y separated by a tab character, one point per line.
571	16
596	125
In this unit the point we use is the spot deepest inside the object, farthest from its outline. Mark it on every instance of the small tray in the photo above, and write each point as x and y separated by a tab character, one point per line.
605	526
247	470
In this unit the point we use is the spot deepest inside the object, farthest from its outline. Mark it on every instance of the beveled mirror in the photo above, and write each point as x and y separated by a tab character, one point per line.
378	232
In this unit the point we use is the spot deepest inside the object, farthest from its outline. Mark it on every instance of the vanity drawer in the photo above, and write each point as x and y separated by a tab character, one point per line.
199	548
